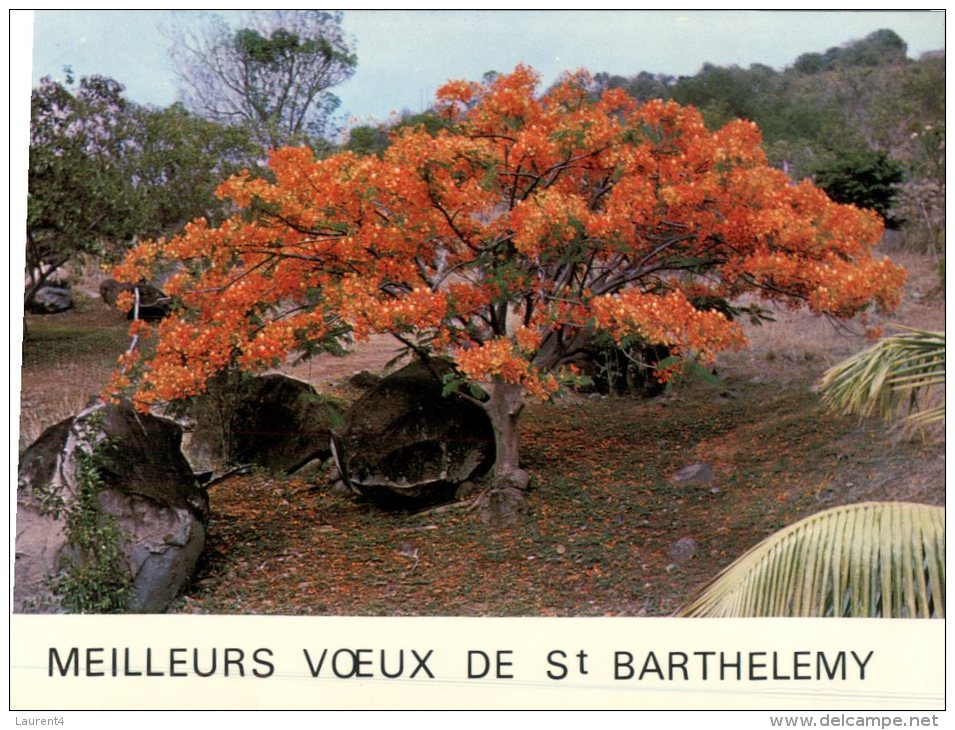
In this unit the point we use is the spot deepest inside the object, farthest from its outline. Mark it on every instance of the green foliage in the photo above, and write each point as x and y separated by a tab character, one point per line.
79	183
876	49
689	370
429	120
282	45
49	499
453	382
867	179
643	87
631	365
104	171
726	93
875	559
178	161
811	63
367	140
95	578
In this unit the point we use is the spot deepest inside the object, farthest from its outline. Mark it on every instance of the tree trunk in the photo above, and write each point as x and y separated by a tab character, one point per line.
503	503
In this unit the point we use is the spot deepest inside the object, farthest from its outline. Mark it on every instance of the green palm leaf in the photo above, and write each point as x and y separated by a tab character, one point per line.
890	379
874	559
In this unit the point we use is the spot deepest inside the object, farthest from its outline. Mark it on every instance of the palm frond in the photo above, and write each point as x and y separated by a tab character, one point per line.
874	559
891	379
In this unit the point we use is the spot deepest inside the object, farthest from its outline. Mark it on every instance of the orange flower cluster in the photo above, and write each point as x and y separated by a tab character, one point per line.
550	220
529	219
420	309
669	319
498	360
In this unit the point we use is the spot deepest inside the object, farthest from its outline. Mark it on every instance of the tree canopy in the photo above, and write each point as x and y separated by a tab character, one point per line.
505	242
879	47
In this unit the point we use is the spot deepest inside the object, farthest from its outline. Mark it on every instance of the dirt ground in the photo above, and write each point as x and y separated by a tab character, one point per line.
605	514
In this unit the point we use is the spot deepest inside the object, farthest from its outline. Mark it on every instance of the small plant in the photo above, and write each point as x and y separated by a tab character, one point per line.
49	499
95	578
627	366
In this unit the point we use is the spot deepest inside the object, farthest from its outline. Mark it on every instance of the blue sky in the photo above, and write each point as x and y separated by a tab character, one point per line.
403	56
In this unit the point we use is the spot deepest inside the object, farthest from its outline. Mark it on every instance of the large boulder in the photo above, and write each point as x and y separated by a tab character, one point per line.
153	302
106	482
272	421
51	298
404	441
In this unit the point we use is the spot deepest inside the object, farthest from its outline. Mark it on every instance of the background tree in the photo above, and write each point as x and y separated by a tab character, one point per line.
273	74
878	48
645	86
726	93
506	242
104	171
367	139
866	179
79	191
177	162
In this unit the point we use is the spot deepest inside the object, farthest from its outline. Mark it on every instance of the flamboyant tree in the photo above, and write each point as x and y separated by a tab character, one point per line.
505	242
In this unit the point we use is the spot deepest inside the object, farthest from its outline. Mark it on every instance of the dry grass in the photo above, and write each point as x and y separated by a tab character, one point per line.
67	360
799	346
